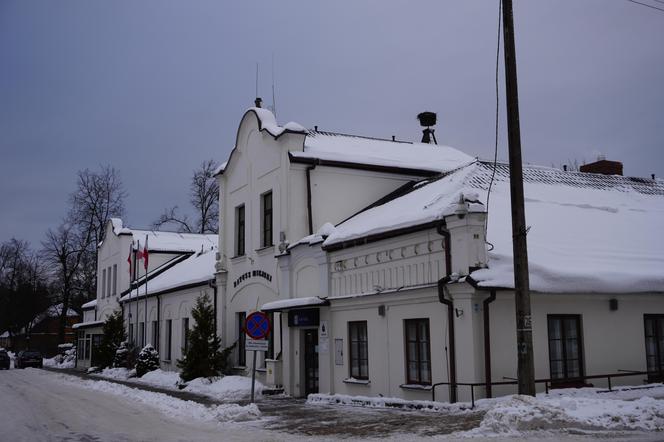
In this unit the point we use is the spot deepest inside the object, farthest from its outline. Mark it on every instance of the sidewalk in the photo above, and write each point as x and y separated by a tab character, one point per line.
295	416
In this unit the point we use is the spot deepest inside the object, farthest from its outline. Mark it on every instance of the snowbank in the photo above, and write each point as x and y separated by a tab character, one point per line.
518	414
226	388
171	406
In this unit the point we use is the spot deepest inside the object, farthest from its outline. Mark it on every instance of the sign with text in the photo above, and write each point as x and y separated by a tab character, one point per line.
307	317
256	345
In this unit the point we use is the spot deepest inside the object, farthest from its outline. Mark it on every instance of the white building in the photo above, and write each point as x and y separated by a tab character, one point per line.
283	183
181	267
408	294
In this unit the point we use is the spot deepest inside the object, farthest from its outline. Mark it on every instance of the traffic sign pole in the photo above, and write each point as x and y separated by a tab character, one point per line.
253	377
257	327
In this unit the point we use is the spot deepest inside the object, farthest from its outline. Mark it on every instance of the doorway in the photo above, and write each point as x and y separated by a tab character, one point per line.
310	361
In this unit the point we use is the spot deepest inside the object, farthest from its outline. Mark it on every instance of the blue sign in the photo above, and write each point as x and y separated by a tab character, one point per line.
257	325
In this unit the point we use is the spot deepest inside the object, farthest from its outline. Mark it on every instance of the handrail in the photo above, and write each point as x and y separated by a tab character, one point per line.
547	382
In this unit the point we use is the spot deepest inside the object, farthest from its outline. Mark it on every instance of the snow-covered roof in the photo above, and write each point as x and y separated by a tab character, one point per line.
89	305
197	268
268	122
55	311
159	241
87	324
588	232
293	303
379	152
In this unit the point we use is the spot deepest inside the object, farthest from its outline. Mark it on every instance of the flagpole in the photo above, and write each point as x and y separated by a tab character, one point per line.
131	250
145	264
136	281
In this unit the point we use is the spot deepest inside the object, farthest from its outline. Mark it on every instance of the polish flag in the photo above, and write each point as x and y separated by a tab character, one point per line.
129	259
145	254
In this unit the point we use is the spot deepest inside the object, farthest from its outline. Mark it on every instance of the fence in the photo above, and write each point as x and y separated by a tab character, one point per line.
548	383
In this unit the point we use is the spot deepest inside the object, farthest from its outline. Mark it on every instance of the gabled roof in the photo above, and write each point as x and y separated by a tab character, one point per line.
160	241
360	152
353	149
197	269
588	232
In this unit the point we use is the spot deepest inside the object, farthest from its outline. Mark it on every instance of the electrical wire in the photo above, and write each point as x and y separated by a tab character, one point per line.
495	147
647	5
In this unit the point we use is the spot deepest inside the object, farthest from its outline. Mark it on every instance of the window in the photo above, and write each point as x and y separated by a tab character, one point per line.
103	283
654	325
169	336
239	230
108	283
241	352
359	349
185	335
418	352
155	335
115	279
565	359
266	219
141	334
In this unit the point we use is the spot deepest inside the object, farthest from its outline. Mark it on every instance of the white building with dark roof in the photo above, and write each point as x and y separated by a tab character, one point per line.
416	291
180	267
282	183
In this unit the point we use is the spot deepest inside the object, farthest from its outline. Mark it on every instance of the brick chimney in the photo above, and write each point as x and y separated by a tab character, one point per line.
604	167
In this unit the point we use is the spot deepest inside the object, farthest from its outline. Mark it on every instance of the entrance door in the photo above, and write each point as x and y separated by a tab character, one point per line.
310	361
654	325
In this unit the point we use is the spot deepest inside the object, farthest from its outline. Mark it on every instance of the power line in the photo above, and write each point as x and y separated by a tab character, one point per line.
647	5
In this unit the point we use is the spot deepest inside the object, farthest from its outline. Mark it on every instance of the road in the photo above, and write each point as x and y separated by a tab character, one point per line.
37	405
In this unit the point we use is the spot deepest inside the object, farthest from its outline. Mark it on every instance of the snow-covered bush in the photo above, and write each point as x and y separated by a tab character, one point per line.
148	360
121	358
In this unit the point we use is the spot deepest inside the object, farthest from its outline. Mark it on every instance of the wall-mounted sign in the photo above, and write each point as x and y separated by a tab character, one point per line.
322	332
308	317
252	274
338	351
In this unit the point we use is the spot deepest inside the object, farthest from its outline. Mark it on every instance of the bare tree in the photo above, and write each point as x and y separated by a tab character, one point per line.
64	250
204	194
71	249
23	290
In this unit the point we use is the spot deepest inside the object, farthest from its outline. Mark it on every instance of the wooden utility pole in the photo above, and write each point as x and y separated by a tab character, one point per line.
524	331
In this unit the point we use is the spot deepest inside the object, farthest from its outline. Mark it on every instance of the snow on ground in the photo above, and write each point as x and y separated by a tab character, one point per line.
170	405
226	388
58	362
588	410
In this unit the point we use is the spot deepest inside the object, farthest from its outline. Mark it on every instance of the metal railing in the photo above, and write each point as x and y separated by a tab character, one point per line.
548	383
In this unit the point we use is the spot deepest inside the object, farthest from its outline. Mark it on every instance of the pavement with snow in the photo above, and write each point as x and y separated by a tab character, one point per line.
42	405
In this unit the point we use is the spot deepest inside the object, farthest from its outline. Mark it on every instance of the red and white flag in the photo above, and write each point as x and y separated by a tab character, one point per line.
145	254
129	259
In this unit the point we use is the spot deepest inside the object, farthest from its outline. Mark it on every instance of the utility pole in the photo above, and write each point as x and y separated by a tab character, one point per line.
524	331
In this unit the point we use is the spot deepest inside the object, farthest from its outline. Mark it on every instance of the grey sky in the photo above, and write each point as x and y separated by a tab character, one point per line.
156	87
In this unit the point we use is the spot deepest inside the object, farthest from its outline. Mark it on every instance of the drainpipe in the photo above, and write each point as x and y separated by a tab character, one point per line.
213	284
487	343
442	230
311	221
158	323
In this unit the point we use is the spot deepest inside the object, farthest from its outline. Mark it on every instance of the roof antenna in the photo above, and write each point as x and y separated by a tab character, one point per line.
274	100
257	101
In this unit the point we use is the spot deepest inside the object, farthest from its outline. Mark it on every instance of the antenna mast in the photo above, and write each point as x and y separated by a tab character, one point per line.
274	100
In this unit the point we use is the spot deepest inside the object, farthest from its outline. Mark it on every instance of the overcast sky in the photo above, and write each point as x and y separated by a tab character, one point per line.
154	88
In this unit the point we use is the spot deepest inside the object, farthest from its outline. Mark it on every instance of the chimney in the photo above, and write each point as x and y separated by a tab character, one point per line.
258	101
428	119
603	166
